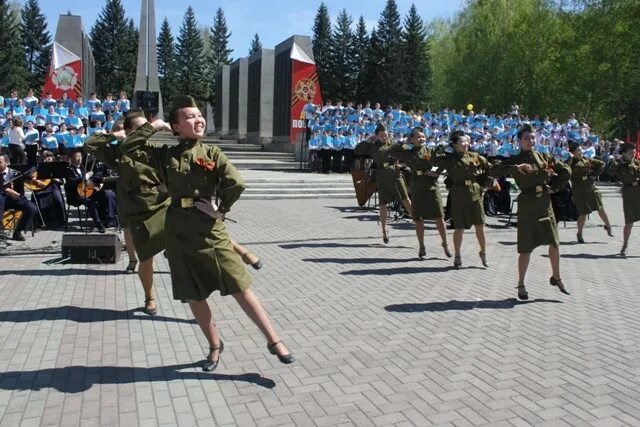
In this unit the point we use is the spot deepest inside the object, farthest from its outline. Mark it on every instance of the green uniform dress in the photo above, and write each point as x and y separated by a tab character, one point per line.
389	179
464	170
536	222
142	199
426	200
200	254
586	196
629	174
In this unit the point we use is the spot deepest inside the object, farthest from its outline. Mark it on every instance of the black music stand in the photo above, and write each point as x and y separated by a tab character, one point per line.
52	170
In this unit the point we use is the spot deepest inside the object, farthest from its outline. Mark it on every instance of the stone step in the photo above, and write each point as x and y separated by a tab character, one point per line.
266	164
259	155
297	196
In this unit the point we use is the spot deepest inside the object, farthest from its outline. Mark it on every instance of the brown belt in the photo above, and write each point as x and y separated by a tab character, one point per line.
203	204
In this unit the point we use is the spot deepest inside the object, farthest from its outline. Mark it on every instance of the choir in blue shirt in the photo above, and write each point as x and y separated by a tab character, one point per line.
60	124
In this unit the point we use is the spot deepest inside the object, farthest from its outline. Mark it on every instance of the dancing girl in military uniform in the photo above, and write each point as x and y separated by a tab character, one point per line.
426	200
535	173
200	253
586	196
391	185
627	170
467	173
142	202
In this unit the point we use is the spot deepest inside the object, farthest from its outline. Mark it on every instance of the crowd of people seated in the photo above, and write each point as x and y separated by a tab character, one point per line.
54	131
334	130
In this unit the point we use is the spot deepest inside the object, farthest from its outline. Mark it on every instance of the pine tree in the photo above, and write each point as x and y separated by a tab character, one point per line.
385	72
166	63
322	50
343	57
361	46
12	71
220	53
191	63
416	62
114	42
36	42
256	45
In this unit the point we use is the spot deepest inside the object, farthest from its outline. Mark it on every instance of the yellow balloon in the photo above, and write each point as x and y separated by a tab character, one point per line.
470	107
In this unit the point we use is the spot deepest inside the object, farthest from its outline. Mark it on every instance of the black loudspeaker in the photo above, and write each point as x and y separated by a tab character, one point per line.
91	248
147	101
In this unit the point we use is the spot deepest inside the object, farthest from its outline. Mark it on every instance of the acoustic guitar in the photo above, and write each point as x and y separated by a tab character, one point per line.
33	186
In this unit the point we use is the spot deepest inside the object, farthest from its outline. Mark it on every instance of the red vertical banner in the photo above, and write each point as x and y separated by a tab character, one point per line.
67	78
65	73
305	86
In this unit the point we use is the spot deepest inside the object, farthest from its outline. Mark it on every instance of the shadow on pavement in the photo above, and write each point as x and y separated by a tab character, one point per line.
366	260
403	270
341	245
594	256
82	315
463	305
76	379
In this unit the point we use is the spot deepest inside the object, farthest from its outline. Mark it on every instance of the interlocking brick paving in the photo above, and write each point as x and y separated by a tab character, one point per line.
380	337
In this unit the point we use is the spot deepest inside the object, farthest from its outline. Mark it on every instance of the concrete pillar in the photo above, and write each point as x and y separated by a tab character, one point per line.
238	73
147	66
221	118
260	97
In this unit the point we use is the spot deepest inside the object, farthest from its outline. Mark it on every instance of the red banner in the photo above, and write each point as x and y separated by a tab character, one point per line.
67	78
305	85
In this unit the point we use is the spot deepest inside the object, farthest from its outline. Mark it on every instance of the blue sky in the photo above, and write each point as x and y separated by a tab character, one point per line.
273	20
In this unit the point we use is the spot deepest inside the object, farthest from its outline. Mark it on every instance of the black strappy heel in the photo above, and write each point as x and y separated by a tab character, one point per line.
559	284
210	365
286	358
522	292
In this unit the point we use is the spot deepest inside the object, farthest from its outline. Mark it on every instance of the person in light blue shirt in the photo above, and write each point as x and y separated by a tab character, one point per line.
313	144
61	109
80	110
48	140
326	146
30	100
1	101
97	114
367	109
108	124
336	152
53	117
92	102
378	114
72	121
19	109
349	144
542	146
108	104
48	100
66	101
588	150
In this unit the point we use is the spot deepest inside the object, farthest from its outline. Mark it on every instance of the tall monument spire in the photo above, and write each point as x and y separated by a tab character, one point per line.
147	68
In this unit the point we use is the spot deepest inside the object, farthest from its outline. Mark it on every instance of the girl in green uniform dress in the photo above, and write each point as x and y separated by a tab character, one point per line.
586	196
391	185
464	170
535	173
142	202
201	257
426	200
627	170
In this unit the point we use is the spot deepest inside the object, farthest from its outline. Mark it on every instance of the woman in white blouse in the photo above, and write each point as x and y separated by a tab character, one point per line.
16	143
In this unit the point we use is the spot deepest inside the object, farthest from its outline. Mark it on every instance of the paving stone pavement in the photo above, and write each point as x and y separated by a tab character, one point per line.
380	337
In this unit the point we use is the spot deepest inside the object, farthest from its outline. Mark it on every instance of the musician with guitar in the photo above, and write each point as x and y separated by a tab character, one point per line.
83	186
48	195
11	197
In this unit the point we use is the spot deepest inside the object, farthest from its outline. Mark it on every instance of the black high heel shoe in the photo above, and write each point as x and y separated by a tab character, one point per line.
447	252
522	292
210	365
385	238
457	262
131	267
286	358
483	258
252	260
608	230
559	284
422	253
579	238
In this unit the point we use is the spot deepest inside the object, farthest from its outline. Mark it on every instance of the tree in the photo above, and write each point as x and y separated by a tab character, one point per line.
342	59
321	43
385	71
220	53
416	61
191	62
167	64
361	46
114	42
36	42
256	45
12	71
